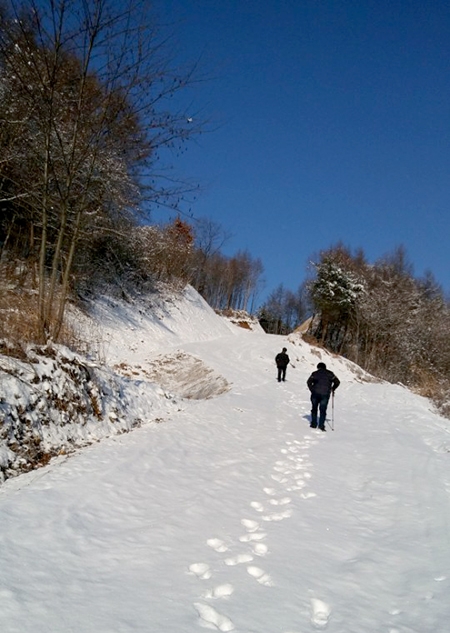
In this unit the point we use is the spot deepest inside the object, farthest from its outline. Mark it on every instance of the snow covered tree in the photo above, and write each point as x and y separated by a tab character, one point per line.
393	325
334	293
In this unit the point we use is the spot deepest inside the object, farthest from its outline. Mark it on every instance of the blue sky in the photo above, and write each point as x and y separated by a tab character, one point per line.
331	122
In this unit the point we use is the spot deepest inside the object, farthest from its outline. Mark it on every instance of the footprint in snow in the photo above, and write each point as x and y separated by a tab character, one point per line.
394	611
201	570
260	549
209	616
280	468
239	559
260	575
280	502
269	491
254	536
221	591
298	486
320	613
279	478
305	475
217	545
257	506
286	514
250	526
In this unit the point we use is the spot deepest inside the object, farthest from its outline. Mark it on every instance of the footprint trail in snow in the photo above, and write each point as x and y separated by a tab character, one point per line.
290	477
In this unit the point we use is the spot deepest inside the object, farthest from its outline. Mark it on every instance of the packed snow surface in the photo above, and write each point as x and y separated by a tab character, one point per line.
231	514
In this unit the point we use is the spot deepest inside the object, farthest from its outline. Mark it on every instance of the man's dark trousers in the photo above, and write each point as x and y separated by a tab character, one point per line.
281	374
320	402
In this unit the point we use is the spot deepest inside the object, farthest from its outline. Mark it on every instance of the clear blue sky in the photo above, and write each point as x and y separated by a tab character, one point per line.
332	124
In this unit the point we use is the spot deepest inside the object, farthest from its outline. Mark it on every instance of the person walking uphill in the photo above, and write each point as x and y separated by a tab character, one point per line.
282	361
321	384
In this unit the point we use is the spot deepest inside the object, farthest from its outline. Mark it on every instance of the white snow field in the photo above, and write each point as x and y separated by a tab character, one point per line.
231	514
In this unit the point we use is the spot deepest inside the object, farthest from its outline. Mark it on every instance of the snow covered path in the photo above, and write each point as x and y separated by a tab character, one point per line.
234	515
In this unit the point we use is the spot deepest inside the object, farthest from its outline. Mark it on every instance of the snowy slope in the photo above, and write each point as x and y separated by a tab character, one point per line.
53	401
232	514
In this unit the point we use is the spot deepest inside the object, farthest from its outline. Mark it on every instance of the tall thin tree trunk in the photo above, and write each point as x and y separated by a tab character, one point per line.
43	326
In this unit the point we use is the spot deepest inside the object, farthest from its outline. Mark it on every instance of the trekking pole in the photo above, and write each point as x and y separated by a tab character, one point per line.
332	411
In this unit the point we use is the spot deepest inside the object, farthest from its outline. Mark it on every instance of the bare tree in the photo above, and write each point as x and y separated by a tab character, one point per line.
209	239
283	310
86	114
230	283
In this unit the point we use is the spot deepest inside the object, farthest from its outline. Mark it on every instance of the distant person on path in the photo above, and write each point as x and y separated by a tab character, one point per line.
321	384
282	361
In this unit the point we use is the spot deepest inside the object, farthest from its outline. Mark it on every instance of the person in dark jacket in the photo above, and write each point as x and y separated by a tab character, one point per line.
321	384
282	361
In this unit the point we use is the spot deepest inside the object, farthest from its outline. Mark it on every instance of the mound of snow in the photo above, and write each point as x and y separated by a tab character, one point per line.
56	401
